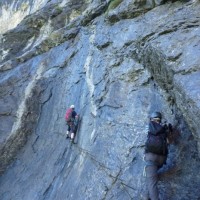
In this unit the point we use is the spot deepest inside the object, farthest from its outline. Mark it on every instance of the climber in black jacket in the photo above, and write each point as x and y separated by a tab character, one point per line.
156	150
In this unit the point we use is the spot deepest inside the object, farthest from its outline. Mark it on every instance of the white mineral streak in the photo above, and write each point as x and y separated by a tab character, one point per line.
89	73
89	77
28	93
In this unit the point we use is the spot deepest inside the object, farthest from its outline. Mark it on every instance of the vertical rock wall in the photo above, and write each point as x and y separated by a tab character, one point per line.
116	63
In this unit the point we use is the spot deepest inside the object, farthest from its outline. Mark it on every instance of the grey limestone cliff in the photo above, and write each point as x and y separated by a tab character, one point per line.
116	61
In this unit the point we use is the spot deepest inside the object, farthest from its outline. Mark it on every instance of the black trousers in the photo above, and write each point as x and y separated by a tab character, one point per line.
153	163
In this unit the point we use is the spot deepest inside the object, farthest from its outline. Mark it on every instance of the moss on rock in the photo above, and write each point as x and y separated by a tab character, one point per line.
113	4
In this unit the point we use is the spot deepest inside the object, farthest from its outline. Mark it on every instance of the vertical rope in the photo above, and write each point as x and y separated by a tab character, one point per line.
154	99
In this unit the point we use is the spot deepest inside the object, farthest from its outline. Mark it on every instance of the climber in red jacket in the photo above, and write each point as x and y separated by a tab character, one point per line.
71	120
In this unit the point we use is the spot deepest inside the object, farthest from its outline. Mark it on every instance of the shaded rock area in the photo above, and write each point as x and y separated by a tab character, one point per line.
116	61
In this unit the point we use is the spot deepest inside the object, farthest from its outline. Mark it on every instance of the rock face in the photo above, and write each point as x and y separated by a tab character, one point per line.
116	61
12	12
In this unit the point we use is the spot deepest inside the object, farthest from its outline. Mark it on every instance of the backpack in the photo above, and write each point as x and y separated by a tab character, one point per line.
156	142
68	115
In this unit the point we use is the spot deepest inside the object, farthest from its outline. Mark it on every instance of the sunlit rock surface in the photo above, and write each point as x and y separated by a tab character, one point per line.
116	61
